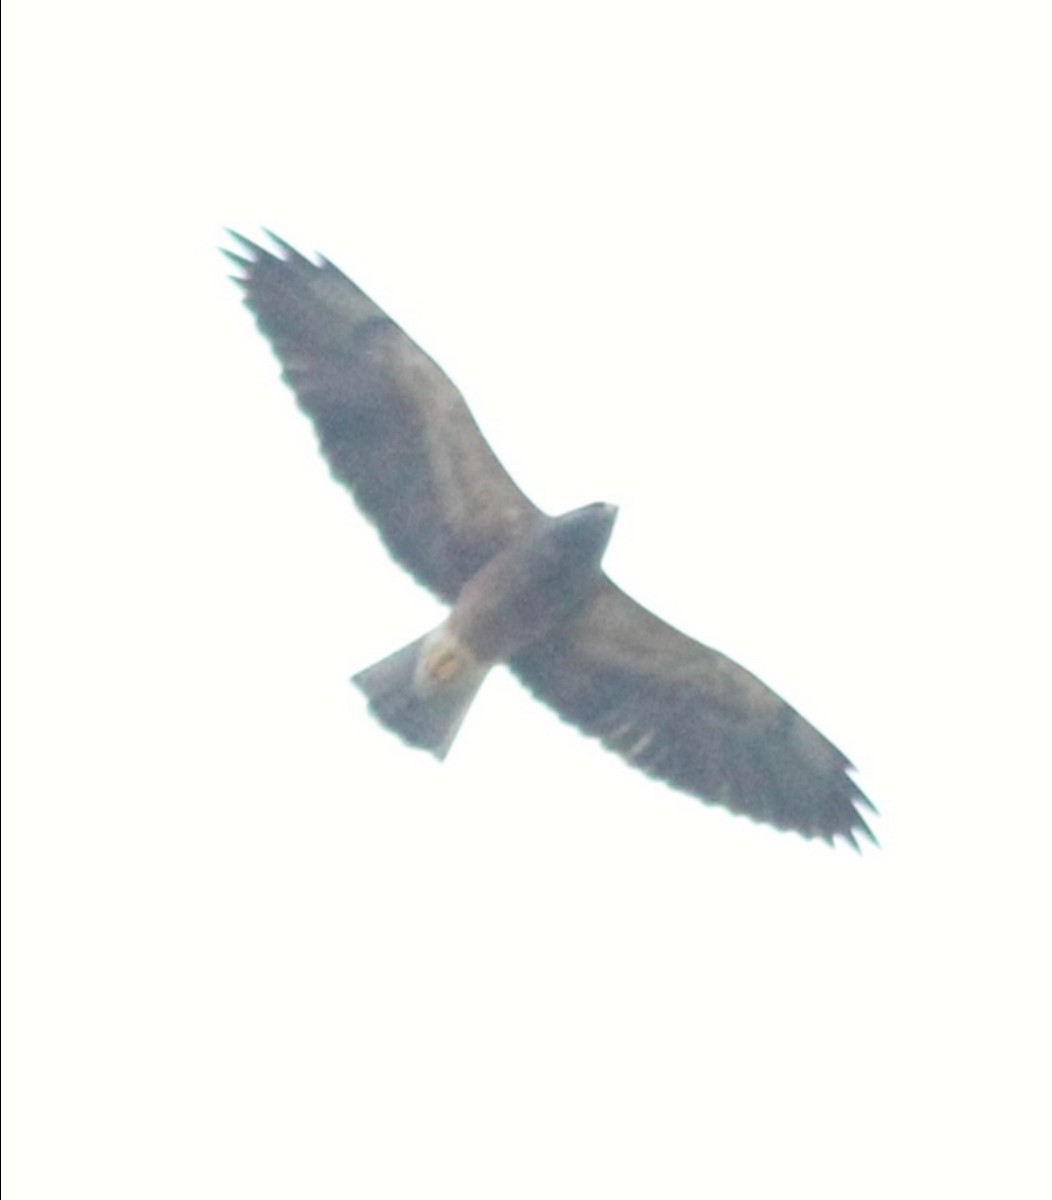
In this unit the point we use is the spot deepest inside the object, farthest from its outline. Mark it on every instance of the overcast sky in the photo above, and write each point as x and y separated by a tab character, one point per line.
774	279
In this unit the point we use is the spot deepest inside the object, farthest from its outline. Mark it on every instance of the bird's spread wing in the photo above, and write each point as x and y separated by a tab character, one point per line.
392	427
692	717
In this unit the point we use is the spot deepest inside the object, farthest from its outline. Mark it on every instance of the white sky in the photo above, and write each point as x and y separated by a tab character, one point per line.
774	278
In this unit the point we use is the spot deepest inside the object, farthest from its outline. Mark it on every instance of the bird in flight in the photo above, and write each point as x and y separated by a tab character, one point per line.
524	588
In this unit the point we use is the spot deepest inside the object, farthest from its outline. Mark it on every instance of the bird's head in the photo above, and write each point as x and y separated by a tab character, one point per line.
584	533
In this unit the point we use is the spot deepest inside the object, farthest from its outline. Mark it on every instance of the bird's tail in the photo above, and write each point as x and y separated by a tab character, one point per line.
423	691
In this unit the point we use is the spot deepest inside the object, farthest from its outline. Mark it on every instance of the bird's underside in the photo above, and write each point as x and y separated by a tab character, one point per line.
525	588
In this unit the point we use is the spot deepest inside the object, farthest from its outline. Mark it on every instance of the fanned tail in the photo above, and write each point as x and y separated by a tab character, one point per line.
423	691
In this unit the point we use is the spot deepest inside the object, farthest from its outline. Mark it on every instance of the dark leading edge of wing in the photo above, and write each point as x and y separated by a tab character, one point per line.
391	425
398	434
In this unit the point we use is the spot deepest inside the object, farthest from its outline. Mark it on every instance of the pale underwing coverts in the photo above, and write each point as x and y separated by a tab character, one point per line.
526	589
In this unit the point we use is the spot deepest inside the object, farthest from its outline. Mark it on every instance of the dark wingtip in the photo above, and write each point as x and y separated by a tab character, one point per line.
250	255
253	248
286	251
859	829
242	264
849	837
861	801
245	258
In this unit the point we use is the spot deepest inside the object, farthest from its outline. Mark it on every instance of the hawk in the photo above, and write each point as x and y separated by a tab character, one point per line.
524	588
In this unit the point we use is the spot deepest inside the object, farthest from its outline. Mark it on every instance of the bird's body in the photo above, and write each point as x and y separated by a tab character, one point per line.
526	589
520	597
534	586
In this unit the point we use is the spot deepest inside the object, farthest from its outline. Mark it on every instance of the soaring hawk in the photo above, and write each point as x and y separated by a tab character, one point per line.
525	588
